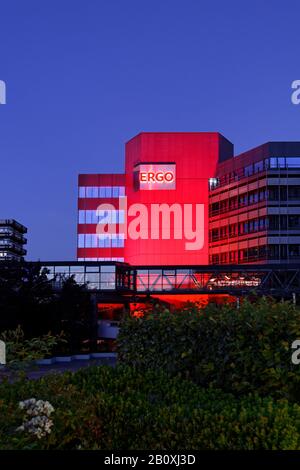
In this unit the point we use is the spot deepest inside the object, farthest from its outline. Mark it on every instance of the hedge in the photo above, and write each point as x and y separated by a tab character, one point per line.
123	409
240	351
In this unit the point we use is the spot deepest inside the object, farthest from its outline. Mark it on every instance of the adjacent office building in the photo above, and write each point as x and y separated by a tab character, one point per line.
12	240
184	199
254	207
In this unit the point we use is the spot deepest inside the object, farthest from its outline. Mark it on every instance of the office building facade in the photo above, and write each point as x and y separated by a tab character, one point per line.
12	240
185	200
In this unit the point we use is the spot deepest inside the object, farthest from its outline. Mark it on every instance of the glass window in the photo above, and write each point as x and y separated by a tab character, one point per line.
81	240
101	241
94	217
213	183
108	191
248	170
92	277
88	240
107	277
77	269
102	191
258	166
89	192
273	162
79	278
103	216
108	269
92	269
94	240
81	218
121	217
294	221
294	192
115	191
82	191
95	191
293	162
62	270
121	191
88	217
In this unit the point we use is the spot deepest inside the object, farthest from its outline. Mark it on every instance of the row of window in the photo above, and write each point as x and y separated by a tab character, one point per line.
94	240
284	222
6	255
254	168
273	193
284	193
237	202
101	216
121	260
242	228
272	222
270	252
101	191
285	162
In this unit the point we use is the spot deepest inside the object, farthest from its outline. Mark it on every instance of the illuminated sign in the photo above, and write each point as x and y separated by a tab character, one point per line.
155	176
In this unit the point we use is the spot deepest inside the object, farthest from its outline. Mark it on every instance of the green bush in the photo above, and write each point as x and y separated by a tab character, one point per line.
240	351
123	409
20	350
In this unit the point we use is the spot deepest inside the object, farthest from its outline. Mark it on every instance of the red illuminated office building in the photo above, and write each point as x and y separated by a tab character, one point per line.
185	199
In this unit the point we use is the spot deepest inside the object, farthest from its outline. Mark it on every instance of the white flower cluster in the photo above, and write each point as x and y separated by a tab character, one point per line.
37	419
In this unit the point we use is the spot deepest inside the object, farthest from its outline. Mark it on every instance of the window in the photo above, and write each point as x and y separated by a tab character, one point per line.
293	162
262	195
273	162
214	234
258	166
223	232
108	191
223	257
273	193
243	200
294	192
89	192
81	240
213	183
102	191
81	218
215	259
215	207
82	191
248	170
294	251
294	221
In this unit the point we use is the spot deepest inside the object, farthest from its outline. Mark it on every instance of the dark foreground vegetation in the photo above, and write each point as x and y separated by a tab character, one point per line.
212	378
123	409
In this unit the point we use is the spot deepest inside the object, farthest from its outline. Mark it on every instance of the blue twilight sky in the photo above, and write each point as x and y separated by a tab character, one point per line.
84	76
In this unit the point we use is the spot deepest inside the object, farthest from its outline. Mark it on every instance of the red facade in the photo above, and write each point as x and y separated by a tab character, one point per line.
162	200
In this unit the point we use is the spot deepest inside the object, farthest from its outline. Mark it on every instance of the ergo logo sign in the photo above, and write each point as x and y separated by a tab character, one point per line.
157	176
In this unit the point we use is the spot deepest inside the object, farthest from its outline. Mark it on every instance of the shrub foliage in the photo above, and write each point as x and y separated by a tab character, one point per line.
124	409
240	351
